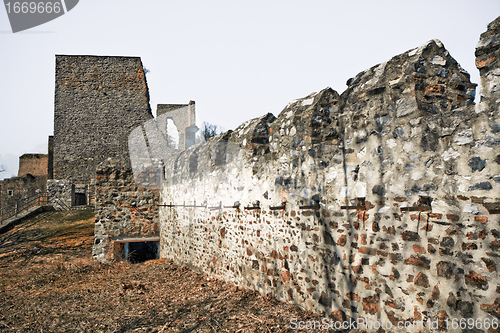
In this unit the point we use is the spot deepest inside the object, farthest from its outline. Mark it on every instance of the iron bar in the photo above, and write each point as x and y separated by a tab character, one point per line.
316	207
283	206
416	209
252	207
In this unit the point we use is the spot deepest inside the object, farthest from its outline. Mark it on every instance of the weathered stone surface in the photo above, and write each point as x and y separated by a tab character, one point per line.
15	189
342	195
477	164
98	102
123	209
421	280
476	280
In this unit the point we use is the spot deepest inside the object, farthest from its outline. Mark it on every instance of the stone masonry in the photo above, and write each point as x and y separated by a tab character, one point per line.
33	164
98	101
124	210
380	203
184	118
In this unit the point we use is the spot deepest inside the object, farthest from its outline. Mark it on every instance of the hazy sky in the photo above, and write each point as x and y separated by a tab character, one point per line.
237	59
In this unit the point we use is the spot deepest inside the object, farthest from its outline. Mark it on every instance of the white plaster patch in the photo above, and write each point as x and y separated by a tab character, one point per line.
408	147
415	131
308	101
305	193
439	206
438	60
470	208
449	154
405	106
480	107
362	152
464	137
344	191
360	189
416	121
430	174
414	51
331	175
397	188
384	209
417	175
391	143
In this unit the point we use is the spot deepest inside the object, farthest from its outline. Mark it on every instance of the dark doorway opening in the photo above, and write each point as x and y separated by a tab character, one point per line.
80	199
140	251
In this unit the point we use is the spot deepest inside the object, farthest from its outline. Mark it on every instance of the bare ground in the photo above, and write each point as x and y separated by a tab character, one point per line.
49	283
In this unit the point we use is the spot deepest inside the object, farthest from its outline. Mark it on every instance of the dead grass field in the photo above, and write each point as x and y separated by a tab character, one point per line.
49	283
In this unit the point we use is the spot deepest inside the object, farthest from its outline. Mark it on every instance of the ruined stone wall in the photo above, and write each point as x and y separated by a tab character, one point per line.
99	100
380	203
17	188
183	116
34	164
123	209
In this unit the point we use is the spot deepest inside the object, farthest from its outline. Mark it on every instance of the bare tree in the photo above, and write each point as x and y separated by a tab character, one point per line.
209	130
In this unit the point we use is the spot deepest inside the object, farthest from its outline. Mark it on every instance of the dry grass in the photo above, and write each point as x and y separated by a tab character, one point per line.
49	283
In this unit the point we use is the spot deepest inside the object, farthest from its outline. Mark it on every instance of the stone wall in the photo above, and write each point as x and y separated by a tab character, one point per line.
184	118
124	210
17	188
34	164
61	191
380	203
99	100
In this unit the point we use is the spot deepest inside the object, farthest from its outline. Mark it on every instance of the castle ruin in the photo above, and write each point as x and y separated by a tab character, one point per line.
381	202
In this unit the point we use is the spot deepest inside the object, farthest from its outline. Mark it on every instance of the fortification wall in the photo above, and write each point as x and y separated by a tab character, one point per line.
34	164
17	188
123	209
99	100
380	203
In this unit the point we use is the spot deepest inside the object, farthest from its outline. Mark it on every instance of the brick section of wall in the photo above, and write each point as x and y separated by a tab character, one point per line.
390	192
123	209
33	164
99	100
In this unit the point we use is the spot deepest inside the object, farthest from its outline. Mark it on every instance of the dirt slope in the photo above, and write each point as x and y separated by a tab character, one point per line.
49	283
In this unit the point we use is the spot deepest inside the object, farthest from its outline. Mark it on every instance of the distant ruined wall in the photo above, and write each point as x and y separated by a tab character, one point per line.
34	164
184	118
381	203
17	188
99	100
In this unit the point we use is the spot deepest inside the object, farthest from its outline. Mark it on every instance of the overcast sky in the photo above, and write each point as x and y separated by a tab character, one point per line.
237	59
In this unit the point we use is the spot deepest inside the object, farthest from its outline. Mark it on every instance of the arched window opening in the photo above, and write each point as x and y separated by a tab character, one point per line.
172	135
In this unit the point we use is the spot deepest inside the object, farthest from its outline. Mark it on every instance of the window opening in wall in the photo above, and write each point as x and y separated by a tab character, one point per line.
136	252
172	134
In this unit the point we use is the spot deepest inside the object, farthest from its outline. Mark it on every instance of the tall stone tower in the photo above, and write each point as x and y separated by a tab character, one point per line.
99	100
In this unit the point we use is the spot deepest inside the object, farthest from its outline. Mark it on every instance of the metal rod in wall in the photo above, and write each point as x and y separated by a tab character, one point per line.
309	207
283	206
416	209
